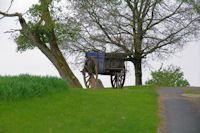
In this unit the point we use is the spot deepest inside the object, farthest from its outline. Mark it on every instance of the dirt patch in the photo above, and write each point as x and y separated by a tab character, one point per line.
191	95
196	89
162	125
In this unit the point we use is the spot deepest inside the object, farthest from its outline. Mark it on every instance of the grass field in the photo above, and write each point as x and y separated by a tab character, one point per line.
83	111
132	110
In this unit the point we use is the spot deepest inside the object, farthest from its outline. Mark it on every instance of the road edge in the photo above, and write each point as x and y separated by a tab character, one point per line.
162	125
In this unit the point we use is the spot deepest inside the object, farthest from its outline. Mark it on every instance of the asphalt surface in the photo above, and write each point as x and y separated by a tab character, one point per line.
180	114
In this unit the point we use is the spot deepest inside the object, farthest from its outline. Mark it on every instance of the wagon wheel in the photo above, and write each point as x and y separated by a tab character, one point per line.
90	72
117	80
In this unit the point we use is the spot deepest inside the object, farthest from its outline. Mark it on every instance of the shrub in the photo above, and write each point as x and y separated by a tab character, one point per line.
170	76
26	86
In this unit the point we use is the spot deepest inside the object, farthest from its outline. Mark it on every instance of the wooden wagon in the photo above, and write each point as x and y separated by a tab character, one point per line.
105	64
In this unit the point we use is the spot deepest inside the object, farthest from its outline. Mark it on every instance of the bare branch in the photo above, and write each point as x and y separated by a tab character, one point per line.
10	5
164	18
7	9
172	38
12	30
11	15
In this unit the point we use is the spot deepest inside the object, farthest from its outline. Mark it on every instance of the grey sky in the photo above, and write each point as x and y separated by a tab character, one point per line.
35	63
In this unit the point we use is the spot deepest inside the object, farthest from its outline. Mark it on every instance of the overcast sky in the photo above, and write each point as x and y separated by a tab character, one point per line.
35	63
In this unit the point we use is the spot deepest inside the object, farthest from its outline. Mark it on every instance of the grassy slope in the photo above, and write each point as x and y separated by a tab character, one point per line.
83	111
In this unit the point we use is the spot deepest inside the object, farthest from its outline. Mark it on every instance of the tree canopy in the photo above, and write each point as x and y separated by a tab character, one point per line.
140	28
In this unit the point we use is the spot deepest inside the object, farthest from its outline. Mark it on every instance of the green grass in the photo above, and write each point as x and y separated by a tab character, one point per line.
132	110
26	86
190	92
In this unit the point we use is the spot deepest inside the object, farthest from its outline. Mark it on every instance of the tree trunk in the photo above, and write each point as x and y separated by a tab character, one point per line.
61	65
57	59
66	73
138	71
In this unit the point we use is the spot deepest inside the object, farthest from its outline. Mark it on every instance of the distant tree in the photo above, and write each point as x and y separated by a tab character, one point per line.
170	76
44	28
140	28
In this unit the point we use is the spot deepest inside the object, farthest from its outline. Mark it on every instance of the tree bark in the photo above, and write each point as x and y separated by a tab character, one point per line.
138	71
57	59
64	71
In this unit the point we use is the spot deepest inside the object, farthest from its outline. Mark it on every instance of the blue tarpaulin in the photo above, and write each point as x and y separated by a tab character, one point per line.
99	59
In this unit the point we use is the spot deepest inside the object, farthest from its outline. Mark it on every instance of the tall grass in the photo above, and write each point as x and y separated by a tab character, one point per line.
26	86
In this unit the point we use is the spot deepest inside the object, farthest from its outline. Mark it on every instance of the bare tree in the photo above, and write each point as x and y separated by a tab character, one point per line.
44	31
140	28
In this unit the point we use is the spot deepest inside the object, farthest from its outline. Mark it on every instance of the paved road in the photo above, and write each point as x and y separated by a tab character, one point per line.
181	114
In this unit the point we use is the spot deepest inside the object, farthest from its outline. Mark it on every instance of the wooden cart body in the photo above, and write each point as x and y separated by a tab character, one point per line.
106	64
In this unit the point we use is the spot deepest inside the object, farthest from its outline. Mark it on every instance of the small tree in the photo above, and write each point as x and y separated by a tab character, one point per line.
170	76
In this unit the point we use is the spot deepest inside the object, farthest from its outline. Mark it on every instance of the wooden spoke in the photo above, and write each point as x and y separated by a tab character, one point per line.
117	80
90	72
